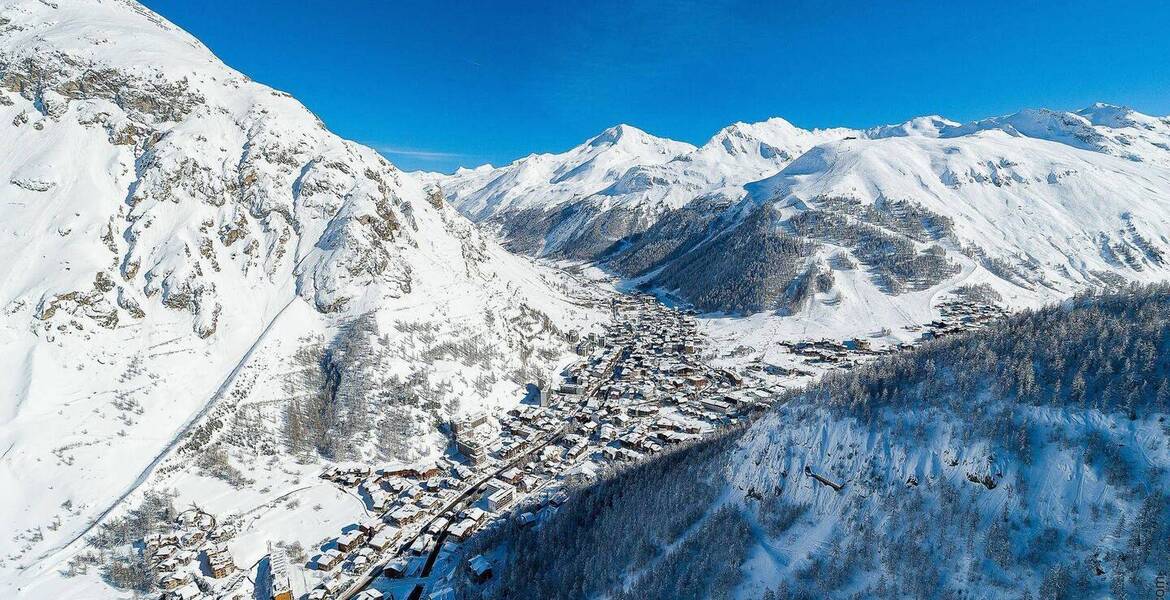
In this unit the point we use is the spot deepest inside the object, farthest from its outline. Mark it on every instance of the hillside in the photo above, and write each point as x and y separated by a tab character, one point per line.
195	273
875	224
1025	461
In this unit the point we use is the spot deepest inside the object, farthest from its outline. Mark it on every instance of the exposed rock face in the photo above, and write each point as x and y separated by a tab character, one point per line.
175	239
270	190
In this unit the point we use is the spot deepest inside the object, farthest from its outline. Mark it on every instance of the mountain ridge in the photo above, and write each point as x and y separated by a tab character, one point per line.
1010	166
183	247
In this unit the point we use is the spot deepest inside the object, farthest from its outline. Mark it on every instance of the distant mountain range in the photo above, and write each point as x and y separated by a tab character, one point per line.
771	217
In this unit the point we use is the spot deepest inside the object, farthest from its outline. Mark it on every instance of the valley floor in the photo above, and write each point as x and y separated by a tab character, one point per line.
651	381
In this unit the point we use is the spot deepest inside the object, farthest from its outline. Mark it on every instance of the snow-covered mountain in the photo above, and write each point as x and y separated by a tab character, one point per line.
839	224
183	247
578	203
902	214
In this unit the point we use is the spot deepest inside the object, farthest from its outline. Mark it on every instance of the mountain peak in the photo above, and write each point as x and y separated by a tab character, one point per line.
924	126
618	133
1109	115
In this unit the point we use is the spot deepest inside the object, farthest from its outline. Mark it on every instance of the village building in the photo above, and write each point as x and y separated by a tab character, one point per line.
280	584
187	592
421	545
459	531
351	540
383	539
219	561
480	567
474	450
405	515
372	526
329	559
437	526
170	581
395	569
498	494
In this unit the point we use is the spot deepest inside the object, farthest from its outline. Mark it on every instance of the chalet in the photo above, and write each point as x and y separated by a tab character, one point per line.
421	545
328	559
528	483
163	553
172	581
572	389
512	475
351	540
416	473
372	526
643	411
526	519
631	440
187	592
437	525
718	406
405	515
731	376
370	595
629	455
395	569
192	538
383	539
379	501
515	449
219	561
459	531
428	472
480	567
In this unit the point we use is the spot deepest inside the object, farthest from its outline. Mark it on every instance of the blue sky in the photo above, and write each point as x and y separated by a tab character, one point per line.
435	84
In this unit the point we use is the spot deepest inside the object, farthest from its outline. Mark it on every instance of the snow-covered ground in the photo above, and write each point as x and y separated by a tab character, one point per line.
1037	205
174	234
178	239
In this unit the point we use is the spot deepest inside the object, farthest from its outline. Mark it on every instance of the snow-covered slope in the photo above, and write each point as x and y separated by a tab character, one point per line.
1104	128
1034	207
833	225
578	203
1028	460
173	235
